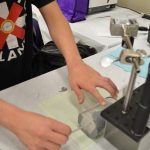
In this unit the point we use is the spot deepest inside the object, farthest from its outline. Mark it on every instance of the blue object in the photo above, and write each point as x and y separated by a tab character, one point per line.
143	68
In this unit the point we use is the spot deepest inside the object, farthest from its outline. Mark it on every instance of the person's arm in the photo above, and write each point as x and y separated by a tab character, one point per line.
35	131
60	32
8	113
81	76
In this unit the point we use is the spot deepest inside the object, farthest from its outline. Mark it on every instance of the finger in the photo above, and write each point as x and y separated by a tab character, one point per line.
46	145
79	94
107	87
111	83
36	148
56	138
96	94
61	128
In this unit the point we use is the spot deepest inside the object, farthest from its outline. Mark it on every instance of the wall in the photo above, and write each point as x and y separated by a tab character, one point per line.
138	5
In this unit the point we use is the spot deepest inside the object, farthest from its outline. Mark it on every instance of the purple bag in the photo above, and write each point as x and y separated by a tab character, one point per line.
74	10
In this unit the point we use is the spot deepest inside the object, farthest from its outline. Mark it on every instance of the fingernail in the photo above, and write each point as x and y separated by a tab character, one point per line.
103	103
80	101
116	95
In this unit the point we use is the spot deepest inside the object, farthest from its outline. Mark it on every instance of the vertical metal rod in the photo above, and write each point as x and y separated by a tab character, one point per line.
135	70
130	88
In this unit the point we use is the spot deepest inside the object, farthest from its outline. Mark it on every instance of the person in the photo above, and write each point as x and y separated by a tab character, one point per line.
35	131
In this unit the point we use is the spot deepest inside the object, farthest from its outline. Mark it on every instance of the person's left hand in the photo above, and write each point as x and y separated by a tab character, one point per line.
82	76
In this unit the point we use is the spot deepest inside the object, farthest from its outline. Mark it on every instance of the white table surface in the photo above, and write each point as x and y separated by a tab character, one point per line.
28	94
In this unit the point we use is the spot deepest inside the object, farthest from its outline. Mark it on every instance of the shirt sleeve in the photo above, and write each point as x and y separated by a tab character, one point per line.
41	3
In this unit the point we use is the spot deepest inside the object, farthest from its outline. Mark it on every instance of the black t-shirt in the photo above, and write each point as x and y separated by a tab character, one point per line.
16	41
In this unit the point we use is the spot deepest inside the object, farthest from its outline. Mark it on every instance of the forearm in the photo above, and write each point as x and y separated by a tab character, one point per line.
8	114
61	33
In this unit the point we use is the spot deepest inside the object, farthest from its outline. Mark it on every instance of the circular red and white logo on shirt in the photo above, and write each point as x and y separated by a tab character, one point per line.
7	26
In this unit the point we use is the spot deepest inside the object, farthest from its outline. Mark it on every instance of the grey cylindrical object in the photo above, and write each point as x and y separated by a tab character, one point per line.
130	88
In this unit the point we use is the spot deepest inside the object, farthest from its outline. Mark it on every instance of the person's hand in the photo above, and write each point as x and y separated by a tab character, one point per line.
82	76
40	133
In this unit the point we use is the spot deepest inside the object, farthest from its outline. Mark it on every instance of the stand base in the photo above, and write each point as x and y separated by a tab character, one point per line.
124	122
123	142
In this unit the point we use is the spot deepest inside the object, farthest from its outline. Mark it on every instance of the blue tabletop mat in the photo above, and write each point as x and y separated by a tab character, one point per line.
126	67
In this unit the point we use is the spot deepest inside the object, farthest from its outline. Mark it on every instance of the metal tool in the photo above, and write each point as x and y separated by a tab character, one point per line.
128	29
130	131
136	59
127	119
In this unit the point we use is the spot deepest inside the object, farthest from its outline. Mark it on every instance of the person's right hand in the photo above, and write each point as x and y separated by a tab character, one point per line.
40	133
